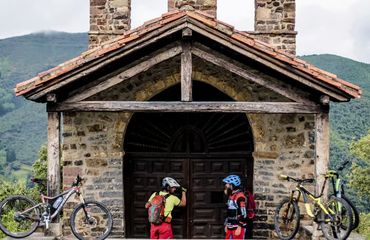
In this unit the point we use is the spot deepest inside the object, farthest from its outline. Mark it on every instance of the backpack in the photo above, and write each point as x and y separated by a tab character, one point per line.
156	209
251	205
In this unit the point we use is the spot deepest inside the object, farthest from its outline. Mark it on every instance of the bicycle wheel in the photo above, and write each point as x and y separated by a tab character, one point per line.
355	214
91	220
338	224
16	220
287	219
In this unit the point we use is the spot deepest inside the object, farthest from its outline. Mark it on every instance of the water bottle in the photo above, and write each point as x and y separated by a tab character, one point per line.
57	202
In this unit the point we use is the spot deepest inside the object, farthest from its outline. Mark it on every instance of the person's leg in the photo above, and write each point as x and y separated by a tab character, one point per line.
165	231
154	232
229	234
240	236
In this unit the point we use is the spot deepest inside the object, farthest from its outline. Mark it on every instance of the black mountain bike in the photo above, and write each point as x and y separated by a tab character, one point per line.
20	216
334	216
338	191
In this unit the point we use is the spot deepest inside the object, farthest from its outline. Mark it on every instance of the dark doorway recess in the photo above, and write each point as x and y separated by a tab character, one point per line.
199	150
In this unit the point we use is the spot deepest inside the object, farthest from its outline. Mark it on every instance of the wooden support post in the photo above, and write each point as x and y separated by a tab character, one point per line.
322	156
54	184
186	67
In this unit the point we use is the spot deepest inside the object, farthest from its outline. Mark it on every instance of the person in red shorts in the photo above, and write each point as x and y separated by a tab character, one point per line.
164	229
236	218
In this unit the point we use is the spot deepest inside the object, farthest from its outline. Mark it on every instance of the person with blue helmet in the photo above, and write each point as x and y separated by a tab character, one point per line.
236	218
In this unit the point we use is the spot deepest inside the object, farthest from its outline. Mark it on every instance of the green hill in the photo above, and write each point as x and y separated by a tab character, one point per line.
23	123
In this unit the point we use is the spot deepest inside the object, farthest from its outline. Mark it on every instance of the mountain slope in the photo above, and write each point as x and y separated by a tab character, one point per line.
23	124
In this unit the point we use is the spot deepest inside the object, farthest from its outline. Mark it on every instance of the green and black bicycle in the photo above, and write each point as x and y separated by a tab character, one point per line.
333	216
338	191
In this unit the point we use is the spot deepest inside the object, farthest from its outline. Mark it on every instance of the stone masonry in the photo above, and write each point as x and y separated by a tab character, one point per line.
208	6
275	23
93	143
108	19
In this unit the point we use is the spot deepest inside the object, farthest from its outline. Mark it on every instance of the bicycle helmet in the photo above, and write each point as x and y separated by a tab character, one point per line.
170	182
232	179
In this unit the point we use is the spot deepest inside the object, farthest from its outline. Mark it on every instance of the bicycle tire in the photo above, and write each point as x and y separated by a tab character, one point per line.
355	213
337	230
79	224
293	211
11	224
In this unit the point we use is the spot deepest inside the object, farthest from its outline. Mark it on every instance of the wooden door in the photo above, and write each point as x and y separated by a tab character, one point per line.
197	149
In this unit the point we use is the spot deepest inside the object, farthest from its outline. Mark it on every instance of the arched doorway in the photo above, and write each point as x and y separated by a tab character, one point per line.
199	150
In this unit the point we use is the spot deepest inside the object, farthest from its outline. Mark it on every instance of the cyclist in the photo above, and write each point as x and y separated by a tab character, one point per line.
164	229
236	218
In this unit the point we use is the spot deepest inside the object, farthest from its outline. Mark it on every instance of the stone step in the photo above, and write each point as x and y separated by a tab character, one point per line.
35	236
352	236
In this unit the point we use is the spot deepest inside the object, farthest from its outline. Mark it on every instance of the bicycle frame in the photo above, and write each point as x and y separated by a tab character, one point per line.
45	204
302	191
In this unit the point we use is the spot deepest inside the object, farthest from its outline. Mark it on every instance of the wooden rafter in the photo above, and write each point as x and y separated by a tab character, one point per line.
135	106
265	60
130	48
126	74
228	65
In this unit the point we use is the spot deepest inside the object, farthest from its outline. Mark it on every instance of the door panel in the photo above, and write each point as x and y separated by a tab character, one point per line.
204	215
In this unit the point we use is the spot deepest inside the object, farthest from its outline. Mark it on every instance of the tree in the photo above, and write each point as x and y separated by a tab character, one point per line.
360	172
39	168
6	103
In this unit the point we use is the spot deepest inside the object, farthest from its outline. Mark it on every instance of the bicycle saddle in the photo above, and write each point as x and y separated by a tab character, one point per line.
38	180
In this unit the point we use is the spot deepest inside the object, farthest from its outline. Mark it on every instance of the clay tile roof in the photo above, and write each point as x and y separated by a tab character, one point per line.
210	21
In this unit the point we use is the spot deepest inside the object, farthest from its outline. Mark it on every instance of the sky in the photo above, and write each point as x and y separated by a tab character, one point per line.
340	27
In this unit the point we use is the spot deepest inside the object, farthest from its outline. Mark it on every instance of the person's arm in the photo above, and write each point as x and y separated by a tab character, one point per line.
183	199
243	211
147	204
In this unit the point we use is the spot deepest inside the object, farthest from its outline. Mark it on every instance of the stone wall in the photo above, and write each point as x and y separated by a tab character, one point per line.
275	23
93	142
108	19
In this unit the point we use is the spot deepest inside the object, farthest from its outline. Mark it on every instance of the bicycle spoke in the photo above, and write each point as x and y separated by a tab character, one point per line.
287	219
340	224
91	221
15	218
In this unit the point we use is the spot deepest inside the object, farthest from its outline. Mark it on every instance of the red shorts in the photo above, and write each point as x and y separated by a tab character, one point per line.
161	231
230	234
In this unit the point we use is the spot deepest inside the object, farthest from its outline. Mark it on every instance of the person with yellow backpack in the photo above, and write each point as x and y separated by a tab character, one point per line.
160	206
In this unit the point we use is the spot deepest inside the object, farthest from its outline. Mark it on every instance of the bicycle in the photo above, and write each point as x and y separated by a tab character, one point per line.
20	216
334	216
338	191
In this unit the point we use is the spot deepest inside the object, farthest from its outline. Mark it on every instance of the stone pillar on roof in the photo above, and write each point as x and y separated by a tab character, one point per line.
208	6
108	19
275	23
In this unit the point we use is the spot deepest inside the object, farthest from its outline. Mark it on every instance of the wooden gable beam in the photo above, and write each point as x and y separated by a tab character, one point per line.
125	74
136	106
228	65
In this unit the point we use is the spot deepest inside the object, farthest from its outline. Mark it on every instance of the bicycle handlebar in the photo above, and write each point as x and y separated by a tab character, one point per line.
77	181
285	177
343	165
